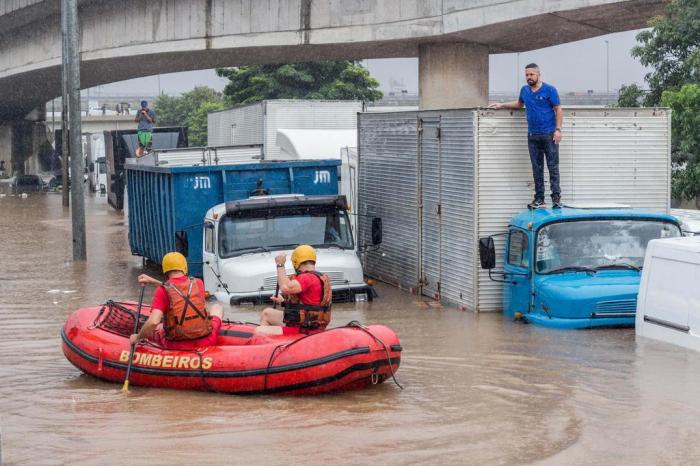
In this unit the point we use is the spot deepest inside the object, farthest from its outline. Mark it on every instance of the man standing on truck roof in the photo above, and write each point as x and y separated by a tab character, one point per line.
544	120
306	297
145	118
189	322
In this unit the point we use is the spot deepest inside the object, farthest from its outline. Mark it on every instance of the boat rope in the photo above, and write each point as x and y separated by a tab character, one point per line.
272	358
356	324
351	324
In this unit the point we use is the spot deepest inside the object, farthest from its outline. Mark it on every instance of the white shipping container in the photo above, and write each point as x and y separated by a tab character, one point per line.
442	179
259	123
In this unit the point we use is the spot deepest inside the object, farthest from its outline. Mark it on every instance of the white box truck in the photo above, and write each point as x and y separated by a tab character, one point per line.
441	179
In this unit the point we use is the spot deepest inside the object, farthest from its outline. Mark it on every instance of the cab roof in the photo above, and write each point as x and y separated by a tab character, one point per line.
534	219
276	201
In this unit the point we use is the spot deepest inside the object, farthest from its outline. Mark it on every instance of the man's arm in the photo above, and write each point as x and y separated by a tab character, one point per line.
287	286
154	319
559	113
515	105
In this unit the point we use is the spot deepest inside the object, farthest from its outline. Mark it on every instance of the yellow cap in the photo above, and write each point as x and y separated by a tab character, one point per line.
303	254
174	261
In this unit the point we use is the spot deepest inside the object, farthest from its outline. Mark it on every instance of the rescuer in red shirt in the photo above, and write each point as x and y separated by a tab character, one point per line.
189	322
306	297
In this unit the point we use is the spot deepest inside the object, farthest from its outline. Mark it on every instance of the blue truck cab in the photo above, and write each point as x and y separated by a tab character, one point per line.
575	268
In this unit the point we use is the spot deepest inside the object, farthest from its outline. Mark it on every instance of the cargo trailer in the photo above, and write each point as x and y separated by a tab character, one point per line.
442	179
259	123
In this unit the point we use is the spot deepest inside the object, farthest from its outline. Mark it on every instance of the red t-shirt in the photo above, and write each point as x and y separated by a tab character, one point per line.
311	288
161	300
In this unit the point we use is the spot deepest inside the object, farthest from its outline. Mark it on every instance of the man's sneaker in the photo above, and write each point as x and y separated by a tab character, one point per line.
556	203
536	204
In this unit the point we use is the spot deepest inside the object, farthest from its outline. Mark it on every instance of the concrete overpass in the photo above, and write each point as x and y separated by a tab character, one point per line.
123	39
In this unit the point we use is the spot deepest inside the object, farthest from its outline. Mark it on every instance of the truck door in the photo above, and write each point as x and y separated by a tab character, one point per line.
209	255
517	297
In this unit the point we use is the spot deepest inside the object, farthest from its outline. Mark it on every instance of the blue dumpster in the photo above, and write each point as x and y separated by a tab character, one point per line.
163	201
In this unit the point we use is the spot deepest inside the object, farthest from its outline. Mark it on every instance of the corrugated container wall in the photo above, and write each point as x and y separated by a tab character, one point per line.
236	126
258	123
441	179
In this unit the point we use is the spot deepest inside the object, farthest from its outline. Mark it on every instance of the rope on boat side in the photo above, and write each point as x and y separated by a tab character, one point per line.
356	324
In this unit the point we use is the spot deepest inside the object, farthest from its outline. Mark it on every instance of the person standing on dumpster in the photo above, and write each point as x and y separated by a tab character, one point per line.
544	121
145	118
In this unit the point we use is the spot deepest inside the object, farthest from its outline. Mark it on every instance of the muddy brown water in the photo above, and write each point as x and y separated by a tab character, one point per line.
478	388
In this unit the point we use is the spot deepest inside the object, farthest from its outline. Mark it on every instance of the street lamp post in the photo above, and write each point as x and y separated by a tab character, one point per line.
607	67
71	86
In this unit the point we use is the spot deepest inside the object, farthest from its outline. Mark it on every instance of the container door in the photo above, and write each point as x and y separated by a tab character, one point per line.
430	208
210	261
516	290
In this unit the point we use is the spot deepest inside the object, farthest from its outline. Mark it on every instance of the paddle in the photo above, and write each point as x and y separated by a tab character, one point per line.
125	388
277	291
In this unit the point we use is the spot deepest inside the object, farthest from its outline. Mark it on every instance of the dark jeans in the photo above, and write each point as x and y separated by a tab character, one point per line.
542	147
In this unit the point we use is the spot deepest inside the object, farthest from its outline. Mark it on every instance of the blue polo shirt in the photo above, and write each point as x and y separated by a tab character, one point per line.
539	107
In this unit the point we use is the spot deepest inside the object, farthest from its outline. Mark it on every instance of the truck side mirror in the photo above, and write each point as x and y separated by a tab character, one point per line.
92	167
376	231
487	253
181	244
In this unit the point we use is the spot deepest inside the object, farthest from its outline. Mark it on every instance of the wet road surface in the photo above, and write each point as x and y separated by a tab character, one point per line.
478	388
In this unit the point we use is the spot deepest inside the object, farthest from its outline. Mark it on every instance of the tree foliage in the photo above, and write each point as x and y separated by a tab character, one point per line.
671	49
685	107
197	123
190	110
341	80
630	96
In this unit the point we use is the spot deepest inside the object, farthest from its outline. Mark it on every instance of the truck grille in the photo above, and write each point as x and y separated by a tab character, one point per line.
337	279
622	306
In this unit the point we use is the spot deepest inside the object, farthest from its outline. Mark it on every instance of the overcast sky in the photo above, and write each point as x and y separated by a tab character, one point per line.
576	66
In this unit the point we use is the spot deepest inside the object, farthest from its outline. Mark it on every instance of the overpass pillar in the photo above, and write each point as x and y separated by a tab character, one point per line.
453	75
25	148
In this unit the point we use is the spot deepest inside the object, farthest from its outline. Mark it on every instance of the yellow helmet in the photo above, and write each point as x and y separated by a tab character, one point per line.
301	254
174	261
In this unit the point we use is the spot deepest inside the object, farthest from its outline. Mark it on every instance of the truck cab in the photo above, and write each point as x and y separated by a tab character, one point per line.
241	239
575	267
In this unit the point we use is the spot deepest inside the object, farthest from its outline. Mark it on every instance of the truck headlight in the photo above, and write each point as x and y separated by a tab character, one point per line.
360	297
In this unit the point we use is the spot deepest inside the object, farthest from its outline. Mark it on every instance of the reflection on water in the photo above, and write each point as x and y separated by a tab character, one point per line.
478	388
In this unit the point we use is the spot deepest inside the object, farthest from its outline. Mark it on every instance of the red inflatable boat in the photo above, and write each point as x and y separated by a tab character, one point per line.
95	340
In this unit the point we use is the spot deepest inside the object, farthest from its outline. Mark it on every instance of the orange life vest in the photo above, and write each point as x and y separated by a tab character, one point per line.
187	318
309	316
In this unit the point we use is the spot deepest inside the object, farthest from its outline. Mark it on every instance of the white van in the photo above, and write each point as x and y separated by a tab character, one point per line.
668	304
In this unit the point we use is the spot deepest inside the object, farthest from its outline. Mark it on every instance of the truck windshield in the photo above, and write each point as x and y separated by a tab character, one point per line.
240	235
592	245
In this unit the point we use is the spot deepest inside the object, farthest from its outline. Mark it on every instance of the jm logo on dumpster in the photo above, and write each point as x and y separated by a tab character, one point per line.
322	176
202	182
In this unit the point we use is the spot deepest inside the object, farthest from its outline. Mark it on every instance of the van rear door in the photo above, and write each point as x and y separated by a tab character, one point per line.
666	288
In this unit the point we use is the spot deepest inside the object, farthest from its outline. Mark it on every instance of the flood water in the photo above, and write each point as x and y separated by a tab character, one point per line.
478	388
